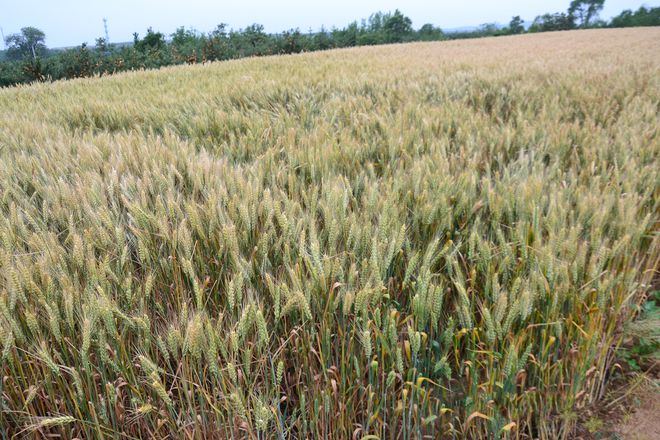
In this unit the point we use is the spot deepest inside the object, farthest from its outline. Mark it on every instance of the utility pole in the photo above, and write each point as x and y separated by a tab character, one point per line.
3	37
105	26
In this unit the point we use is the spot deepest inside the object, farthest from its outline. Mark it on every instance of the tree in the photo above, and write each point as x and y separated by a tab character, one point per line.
642	17
251	41
397	27
291	41
152	41
185	44
516	25
184	38
216	45
220	31
428	32
256	38
75	63
30	43
11	74
487	29
101	45
346	37
585	10
372	30
553	22
322	40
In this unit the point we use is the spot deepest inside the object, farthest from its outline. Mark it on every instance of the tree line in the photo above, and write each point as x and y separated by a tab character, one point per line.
27	59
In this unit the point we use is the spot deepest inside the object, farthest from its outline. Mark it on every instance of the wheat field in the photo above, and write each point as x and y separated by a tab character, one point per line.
430	240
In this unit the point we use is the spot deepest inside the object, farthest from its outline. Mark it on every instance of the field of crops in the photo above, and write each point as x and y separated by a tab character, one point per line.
439	240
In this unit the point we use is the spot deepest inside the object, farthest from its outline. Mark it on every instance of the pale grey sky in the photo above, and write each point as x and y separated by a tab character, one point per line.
71	22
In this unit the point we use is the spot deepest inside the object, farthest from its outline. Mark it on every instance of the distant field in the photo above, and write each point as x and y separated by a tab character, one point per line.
438	240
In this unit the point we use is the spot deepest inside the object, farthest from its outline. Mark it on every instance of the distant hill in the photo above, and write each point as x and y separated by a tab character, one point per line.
461	29
116	45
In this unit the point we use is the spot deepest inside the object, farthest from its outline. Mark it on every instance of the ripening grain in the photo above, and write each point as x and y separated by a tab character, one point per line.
425	239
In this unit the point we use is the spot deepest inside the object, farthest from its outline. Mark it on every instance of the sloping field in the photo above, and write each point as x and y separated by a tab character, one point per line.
436	240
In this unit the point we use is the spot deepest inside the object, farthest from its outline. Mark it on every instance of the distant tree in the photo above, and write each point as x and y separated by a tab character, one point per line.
216	46
322	40
152	41
76	63
291	41
30	43
250	41
372	31
516	25
184	37
642	17
376	22
553	22
255	36
584	11
34	70
185	44
488	29
346	37
428	32
220	31
101	45
397	27
11	73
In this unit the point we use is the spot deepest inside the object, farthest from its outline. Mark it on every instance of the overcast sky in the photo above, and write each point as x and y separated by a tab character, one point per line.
71	22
